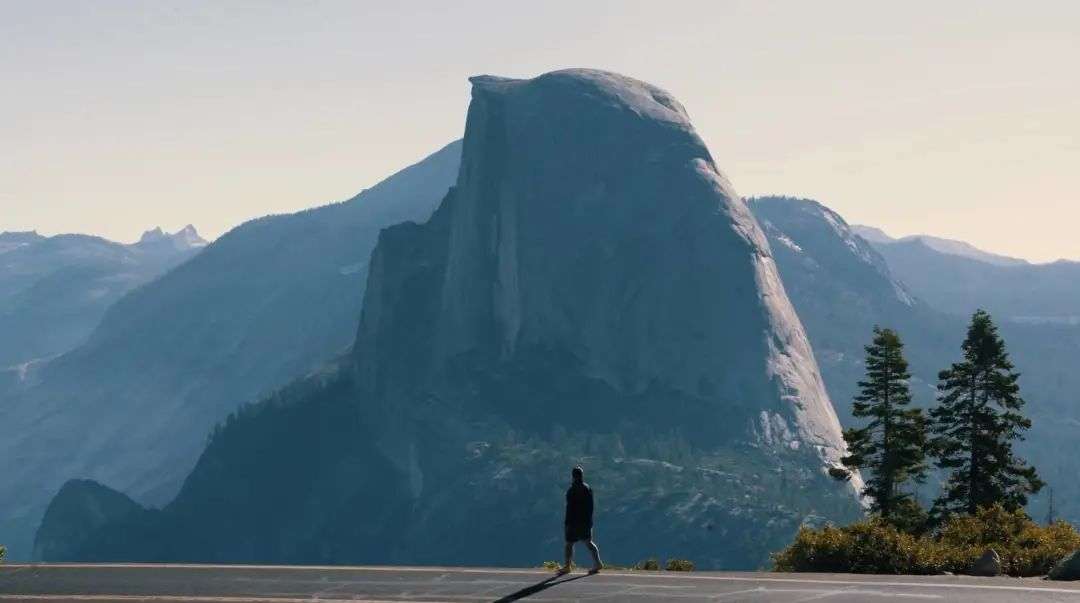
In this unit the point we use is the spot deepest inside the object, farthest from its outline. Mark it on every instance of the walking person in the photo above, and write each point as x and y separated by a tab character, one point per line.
578	522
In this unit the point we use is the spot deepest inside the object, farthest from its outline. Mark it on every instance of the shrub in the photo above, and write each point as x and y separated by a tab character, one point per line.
1026	548
865	547
679	565
3	552
874	546
552	565
651	564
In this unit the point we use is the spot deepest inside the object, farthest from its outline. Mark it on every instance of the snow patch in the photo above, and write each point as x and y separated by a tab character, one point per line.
787	242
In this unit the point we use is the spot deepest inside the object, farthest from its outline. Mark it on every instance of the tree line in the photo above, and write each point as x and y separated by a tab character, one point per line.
969	434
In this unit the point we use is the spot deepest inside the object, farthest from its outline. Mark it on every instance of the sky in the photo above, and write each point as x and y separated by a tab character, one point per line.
958	119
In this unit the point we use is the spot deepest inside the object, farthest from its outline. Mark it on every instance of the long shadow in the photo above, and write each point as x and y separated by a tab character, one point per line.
538	587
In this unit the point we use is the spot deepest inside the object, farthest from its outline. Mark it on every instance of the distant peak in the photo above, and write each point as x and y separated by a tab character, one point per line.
185	238
155	234
872	234
190	236
964	249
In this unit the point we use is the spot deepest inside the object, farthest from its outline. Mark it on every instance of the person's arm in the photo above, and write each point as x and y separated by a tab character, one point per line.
566	515
588	507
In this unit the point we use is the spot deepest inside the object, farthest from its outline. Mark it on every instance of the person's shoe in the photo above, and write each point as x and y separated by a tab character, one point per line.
562	571
596	569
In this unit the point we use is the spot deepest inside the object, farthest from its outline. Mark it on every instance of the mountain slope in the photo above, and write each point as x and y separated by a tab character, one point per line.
1036	293
842	287
54	290
266	303
591	290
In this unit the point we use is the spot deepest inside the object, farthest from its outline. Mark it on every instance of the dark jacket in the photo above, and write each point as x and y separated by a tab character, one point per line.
579	505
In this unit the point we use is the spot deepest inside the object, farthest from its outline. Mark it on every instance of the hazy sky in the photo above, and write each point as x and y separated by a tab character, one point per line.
960	119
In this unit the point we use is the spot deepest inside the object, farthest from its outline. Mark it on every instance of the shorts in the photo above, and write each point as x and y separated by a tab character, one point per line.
579	532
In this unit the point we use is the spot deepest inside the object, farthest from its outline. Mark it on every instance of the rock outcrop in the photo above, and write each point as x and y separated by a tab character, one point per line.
589	218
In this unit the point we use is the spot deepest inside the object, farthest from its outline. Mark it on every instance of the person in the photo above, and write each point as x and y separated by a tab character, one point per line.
578	521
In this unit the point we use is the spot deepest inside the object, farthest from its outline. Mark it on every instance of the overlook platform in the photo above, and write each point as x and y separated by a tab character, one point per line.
176	583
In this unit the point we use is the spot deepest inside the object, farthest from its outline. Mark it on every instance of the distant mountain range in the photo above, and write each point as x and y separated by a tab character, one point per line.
270	301
54	290
958	278
877	236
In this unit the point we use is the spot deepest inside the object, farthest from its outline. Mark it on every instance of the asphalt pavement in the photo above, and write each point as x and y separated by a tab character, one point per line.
288	584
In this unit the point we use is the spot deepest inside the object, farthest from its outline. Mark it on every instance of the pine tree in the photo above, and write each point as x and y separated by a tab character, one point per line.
976	423
891	447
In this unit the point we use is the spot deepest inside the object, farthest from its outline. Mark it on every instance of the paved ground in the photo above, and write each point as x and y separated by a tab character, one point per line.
288	584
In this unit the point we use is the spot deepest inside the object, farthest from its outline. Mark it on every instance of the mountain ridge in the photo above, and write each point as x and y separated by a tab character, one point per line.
947	246
54	290
184	351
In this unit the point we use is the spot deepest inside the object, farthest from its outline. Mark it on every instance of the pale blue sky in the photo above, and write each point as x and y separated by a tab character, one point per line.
959	119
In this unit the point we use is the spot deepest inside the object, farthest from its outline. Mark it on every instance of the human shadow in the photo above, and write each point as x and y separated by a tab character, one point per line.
540	586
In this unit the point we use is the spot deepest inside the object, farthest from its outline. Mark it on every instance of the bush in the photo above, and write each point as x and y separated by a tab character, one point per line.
552	565
871	547
1026	548
679	565
651	564
874	546
3	552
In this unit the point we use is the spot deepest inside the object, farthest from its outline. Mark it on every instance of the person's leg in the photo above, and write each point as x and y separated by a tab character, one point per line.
568	554
595	550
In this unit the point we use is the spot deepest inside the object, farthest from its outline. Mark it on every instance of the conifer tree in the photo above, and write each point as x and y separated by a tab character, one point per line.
891	446
975	424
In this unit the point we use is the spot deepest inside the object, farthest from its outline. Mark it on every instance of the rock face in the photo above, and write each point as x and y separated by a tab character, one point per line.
590	291
590	219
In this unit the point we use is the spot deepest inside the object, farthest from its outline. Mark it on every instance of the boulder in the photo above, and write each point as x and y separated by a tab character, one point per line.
987	565
1066	569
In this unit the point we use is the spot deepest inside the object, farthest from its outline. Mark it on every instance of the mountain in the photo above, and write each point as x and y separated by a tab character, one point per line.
83	506
54	290
961	282
270	301
871	234
14	240
841	286
591	290
184	238
962	249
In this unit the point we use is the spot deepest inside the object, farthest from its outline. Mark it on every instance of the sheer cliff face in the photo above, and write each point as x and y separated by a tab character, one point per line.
589	218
